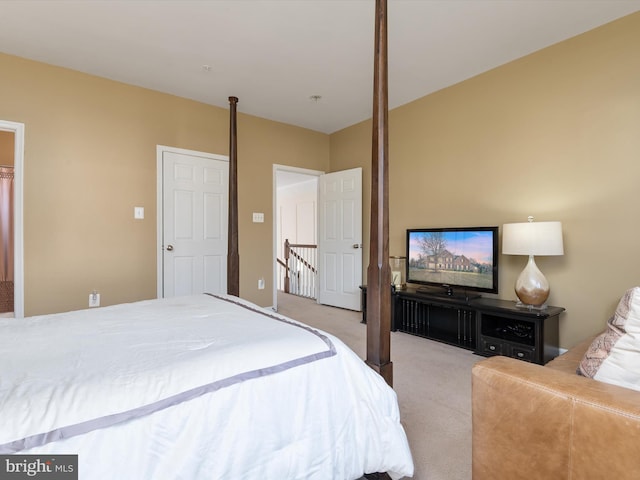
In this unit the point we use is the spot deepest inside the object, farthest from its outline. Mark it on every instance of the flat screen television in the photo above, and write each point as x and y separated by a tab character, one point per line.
457	261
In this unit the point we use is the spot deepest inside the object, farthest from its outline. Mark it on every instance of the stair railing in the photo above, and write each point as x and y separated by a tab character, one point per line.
298	270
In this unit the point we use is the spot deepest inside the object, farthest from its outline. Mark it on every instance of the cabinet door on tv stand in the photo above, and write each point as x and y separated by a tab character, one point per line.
490	346
396	312
521	352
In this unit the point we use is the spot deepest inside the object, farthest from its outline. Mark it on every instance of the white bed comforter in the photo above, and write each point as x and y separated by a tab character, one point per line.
194	388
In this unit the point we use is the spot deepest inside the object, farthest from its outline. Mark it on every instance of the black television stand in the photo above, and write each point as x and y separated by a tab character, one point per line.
487	326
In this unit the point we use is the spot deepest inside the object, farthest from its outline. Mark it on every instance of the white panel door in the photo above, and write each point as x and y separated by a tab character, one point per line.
340	238
195	211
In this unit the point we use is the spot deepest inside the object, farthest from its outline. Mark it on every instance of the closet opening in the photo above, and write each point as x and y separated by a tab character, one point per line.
7	251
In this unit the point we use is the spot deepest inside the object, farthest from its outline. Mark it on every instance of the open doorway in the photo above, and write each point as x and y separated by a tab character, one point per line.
325	212
295	220
7	178
11	222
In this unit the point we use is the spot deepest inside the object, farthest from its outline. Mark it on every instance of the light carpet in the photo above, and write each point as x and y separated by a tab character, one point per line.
432	381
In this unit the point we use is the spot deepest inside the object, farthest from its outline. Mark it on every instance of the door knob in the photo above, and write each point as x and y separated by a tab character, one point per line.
357	245
169	248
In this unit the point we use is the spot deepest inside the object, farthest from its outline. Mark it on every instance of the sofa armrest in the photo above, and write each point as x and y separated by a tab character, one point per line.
530	422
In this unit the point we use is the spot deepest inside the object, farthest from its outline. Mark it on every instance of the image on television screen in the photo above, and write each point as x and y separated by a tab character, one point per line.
463	257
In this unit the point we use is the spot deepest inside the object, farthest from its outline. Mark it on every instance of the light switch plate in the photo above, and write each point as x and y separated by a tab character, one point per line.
258	217
138	213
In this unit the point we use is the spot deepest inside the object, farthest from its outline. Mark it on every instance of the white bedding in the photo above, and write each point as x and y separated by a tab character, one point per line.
195	387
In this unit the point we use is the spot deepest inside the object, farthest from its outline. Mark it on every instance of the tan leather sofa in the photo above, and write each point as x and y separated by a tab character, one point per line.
547	422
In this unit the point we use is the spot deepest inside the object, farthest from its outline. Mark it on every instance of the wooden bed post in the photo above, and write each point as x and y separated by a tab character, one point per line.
233	258
379	271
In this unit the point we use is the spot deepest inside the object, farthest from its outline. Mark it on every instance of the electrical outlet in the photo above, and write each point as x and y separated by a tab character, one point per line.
261	284
138	213
94	299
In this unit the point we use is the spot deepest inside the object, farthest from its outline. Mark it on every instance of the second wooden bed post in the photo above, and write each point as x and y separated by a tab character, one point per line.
379	271
233	257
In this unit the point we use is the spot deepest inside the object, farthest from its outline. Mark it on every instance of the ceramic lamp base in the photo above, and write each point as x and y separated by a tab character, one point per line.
532	288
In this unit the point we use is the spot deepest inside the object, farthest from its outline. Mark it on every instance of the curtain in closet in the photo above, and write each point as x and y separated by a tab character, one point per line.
6	239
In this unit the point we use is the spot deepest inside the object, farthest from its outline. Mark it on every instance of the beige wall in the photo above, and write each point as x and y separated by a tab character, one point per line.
7	146
554	135
90	157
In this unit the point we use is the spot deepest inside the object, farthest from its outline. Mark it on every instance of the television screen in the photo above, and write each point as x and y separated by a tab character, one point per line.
457	259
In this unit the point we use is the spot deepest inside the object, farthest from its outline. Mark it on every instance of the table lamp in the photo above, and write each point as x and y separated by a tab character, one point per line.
532	238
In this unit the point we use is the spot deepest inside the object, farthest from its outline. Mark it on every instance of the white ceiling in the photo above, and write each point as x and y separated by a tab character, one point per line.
275	54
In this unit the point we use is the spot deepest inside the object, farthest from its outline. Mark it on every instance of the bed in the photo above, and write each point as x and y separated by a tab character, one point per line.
211	386
195	387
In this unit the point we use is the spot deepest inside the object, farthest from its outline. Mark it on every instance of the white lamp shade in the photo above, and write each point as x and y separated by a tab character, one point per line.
532	238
